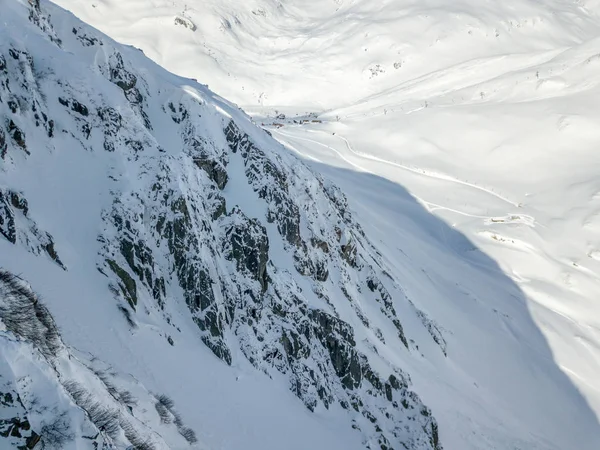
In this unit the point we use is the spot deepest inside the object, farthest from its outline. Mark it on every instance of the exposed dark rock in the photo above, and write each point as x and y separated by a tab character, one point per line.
133	94
311	265
19	429
75	106
385	299
85	40
79	108
13	106
128	82
14	203
42	21
337	337
215	170
219	207
111	122
3	144
187	23
317	243
433	330
348	251
140	260
248	244
269	182
49	247
14	53
175	225
32	440
7	219
119	75
126	283
111	119
17	135
178	114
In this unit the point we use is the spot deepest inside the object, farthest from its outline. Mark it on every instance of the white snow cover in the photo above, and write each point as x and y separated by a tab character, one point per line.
450	126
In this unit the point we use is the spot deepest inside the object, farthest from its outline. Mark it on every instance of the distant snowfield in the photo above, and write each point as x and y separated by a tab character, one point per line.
487	113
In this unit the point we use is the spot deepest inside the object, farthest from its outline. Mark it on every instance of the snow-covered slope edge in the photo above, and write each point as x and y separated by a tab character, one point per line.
158	196
52	397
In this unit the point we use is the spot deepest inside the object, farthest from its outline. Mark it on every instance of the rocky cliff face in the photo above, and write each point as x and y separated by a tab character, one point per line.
199	205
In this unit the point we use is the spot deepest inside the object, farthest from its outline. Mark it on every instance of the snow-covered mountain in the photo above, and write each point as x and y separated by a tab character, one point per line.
174	277
183	213
321	54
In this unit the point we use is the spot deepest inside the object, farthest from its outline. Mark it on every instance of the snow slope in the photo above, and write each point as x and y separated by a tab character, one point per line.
330	53
451	127
179	246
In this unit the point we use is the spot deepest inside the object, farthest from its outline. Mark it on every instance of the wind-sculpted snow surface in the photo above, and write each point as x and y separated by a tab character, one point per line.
186	202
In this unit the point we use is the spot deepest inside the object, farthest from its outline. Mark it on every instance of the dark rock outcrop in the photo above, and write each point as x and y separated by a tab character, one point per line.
18	228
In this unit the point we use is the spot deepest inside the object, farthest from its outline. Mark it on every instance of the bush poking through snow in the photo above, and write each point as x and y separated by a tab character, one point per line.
164	406
188	434
177	419
26	317
127	398
137	441
55	434
163	413
128	317
166	401
104	418
111	388
184	21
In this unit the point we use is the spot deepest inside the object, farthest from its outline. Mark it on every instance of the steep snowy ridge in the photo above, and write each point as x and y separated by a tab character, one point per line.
284	277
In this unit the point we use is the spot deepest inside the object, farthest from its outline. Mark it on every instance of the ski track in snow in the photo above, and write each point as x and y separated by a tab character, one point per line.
417	170
427	173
